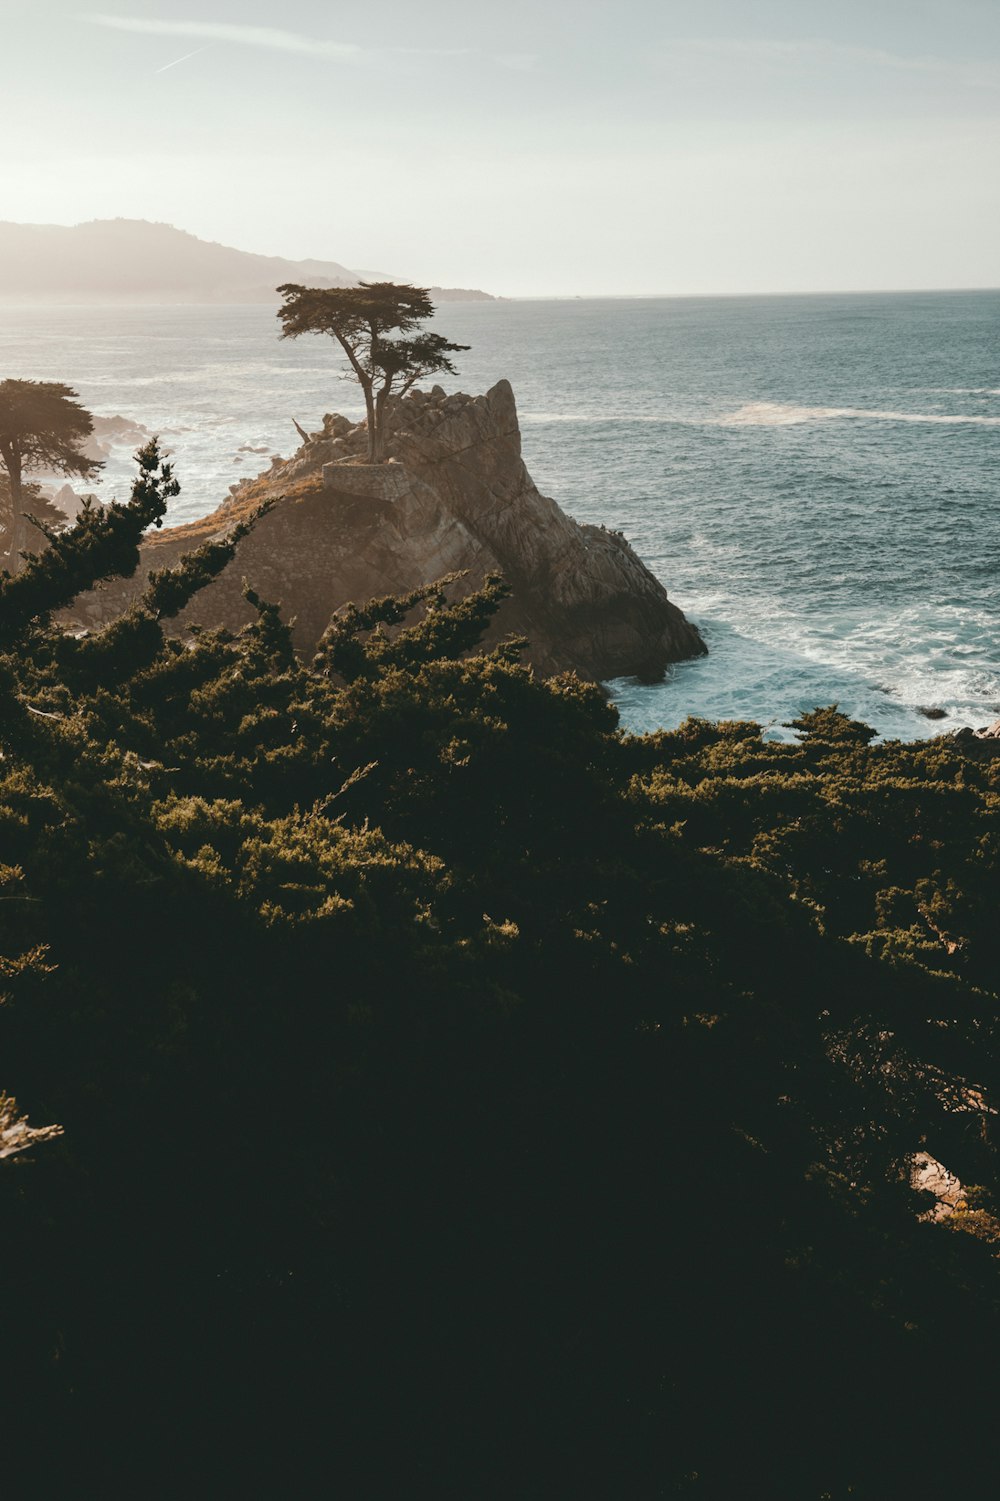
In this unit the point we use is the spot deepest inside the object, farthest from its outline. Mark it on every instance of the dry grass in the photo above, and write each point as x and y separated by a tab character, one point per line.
194	533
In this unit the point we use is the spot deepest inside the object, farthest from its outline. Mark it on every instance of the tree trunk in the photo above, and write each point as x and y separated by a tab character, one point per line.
13	540
381	403
372	429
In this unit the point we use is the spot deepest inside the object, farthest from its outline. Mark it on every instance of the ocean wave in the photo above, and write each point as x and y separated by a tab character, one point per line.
231	371
775	664
782	414
543	417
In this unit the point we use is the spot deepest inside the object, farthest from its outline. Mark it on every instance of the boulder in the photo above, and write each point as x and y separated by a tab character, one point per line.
982	744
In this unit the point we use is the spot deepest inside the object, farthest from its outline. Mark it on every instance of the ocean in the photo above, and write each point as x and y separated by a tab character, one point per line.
814	479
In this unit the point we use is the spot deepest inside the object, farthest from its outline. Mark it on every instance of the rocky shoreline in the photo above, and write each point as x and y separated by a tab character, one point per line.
455	497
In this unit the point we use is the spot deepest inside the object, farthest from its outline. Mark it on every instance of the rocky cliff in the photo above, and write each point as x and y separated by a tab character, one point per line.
454	496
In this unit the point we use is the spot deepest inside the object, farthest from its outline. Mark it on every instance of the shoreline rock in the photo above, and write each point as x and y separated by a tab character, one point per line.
455	496
983	743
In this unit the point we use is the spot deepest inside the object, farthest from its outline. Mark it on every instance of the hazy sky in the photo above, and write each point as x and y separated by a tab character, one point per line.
528	147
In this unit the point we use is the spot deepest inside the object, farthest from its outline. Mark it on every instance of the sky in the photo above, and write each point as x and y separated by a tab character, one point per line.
531	148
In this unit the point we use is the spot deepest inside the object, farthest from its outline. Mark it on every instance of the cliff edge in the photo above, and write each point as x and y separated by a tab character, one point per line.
454	496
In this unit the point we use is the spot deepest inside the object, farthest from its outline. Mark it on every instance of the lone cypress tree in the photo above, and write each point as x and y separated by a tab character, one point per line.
41	427
363	319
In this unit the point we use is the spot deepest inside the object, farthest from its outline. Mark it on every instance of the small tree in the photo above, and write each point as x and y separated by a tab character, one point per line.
41	428
366	321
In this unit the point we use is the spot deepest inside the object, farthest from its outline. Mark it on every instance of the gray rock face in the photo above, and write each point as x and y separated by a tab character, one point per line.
982	744
113	432
65	499
454	496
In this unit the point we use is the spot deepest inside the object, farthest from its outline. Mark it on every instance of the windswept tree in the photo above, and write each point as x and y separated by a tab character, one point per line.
42	426
376	325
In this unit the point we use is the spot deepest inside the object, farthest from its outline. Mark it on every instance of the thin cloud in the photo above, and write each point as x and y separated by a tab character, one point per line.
222	31
196	53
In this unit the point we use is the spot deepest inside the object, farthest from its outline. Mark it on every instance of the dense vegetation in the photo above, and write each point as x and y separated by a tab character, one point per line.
462	1098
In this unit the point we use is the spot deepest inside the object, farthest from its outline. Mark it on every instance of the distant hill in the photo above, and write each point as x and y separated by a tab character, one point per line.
134	260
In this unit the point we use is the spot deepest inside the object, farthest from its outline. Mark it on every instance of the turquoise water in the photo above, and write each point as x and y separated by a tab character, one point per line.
813	478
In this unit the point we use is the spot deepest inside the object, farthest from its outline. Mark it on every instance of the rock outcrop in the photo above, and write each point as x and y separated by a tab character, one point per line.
982	744
455	496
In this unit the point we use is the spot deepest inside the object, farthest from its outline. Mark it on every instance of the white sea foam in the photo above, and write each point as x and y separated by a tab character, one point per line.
782	414
778	663
542	417
607	418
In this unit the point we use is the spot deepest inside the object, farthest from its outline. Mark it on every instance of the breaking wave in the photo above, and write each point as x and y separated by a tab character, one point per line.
781	414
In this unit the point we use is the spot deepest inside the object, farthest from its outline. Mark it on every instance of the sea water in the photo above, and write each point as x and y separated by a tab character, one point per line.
814	479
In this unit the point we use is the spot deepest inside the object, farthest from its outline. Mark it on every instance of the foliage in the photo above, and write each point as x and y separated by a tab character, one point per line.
465	1096
41	427
364	320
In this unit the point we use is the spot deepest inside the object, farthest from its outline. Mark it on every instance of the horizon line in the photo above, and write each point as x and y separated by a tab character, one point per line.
74	297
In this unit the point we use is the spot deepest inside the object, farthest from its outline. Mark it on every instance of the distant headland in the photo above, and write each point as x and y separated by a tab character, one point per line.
133	260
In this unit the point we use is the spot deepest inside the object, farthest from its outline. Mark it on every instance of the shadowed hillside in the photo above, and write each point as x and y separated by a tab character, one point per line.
132	259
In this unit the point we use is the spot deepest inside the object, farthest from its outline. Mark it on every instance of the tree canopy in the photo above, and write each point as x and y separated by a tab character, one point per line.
369	323
462	1096
41	428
